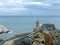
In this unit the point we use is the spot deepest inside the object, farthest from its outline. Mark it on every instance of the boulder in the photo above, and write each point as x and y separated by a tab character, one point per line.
3	29
1	41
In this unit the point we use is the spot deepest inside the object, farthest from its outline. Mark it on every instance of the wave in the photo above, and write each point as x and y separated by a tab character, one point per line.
10	32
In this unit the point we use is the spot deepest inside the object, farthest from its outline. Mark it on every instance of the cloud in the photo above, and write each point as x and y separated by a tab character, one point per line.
18	5
12	9
36	3
22	3
10	1
54	3
30	7
40	3
32	2
1	3
11	5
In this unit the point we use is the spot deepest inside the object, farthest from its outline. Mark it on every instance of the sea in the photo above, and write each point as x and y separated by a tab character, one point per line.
23	24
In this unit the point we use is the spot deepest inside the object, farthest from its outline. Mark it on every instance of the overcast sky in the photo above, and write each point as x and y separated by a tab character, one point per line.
30	7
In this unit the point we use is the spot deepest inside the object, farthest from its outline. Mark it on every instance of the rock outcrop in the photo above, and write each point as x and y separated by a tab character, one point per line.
1	41
3	29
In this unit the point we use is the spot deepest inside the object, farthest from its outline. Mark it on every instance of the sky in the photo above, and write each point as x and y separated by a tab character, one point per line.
30	7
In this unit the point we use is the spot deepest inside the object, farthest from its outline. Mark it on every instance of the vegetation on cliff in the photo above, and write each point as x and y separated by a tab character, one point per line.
43	34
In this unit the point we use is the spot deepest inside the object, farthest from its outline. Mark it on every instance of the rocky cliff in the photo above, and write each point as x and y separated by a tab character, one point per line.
43	34
3	29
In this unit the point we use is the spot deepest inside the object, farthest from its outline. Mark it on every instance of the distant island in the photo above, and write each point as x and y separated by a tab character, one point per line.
43	34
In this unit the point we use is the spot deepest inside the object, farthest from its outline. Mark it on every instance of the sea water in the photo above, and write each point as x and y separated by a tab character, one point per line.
24	24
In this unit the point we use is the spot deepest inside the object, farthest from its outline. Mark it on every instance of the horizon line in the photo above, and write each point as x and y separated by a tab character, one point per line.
26	16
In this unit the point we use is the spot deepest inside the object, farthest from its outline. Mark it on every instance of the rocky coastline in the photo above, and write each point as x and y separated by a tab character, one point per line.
43	34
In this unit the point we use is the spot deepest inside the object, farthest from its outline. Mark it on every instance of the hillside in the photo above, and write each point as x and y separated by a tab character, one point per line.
43	34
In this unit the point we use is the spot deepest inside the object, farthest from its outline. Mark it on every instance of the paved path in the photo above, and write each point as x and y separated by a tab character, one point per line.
10	42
